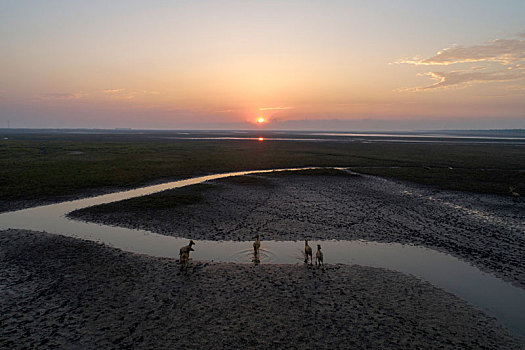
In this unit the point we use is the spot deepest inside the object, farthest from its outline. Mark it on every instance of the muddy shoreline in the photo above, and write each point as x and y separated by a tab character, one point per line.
485	230
68	293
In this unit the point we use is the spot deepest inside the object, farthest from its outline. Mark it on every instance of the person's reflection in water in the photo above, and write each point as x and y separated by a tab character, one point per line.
256	247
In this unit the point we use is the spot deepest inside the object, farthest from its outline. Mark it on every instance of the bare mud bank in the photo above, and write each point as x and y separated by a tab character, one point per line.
68	293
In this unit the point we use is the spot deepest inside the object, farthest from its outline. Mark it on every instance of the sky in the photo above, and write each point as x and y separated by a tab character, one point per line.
294	64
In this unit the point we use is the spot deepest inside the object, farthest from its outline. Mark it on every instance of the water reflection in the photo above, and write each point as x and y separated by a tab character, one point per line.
247	256
361	137
256	247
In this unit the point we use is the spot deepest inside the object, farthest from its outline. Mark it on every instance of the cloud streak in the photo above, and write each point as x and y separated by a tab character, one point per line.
120	94
500	50
113	91
462	78
124	94
53	96
275	108
507	57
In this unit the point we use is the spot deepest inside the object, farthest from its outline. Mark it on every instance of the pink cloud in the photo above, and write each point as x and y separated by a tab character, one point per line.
60	96
508	57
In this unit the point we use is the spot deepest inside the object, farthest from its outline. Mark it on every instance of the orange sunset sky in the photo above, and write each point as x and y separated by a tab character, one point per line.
334	65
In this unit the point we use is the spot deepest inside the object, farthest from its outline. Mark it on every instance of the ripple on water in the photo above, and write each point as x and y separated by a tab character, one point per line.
267	256
247	255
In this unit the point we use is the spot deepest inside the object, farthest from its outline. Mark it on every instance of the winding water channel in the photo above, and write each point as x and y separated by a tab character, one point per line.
485	291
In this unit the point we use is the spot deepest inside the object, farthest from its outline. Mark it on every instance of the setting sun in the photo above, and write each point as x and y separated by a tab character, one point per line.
260	120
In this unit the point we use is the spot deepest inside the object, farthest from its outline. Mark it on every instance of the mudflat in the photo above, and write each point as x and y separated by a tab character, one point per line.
60	292
486	230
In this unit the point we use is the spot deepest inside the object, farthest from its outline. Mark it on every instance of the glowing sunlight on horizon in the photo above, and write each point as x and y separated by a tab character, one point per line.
301	64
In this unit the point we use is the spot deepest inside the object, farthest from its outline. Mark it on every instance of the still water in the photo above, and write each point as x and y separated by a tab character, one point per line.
483	290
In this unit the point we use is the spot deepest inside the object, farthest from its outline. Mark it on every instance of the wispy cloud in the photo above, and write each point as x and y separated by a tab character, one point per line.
150	92
507	58
60	96
125	94
275	108
113	91
500	50
120	94
462	78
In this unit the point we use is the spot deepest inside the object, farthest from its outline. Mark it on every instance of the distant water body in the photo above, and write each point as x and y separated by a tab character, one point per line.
516	138
510	136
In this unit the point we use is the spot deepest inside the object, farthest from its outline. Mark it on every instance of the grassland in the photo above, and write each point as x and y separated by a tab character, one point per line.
47	165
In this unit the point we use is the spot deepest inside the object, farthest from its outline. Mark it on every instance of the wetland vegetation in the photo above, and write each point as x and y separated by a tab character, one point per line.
47	165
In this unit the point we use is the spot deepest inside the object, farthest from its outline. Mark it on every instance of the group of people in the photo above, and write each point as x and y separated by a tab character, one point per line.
184	253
